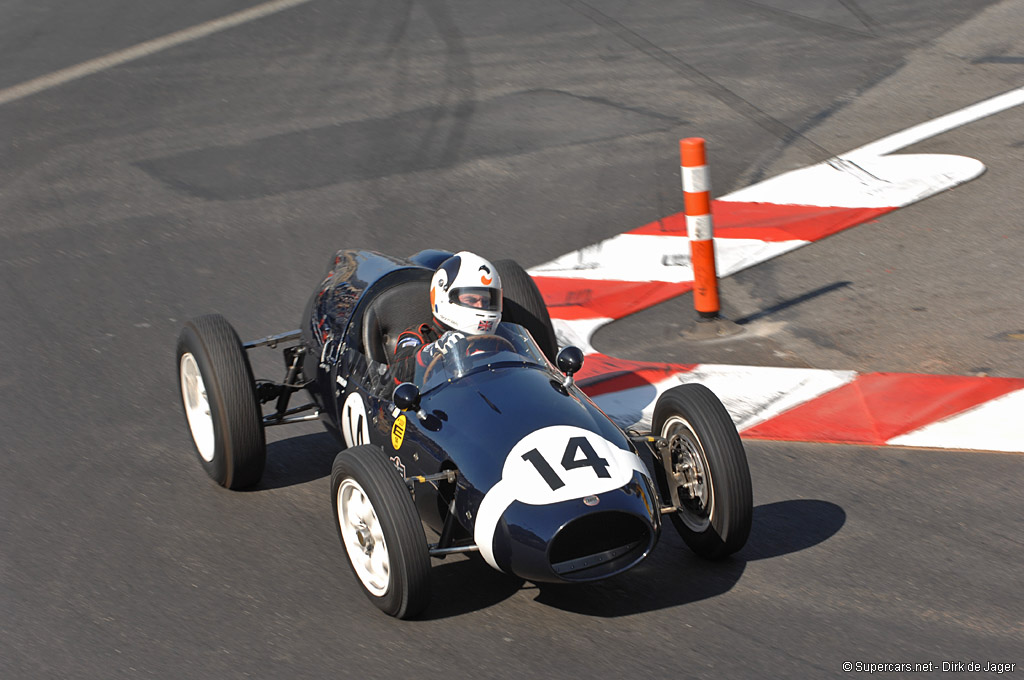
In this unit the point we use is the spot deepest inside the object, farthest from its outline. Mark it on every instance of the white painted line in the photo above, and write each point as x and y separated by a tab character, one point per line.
874	182
144	49
936	127
992	426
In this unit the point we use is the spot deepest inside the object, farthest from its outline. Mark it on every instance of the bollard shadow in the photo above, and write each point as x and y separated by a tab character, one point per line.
674	576
793	302
298	460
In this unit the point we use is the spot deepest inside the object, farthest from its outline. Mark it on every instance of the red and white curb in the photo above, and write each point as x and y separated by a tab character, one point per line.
813	405
588	288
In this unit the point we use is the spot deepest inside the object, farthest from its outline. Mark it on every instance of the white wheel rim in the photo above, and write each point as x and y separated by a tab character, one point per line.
705	490
363	536
197	406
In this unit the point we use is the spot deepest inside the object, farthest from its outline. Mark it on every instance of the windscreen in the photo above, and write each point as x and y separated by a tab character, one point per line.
464	354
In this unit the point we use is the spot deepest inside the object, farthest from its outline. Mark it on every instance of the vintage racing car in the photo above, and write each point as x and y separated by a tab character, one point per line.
492	446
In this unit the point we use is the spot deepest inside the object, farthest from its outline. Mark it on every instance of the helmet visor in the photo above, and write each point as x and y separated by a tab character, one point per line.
477	298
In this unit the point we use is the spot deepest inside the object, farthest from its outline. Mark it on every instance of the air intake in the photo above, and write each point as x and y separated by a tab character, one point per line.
599	545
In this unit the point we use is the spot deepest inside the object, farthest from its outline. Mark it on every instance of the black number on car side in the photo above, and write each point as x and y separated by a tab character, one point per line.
569	461
590	457
357	429
549	475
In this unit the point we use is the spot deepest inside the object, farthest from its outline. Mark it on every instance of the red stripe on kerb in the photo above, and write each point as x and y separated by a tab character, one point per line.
602	374
768	221
876	407
587	299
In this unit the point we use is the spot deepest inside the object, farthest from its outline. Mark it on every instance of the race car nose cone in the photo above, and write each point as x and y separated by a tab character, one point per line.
579	540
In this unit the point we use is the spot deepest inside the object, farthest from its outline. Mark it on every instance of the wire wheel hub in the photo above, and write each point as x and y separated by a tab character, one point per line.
689	477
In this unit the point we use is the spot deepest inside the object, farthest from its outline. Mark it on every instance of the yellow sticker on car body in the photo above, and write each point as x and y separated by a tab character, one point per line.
398	432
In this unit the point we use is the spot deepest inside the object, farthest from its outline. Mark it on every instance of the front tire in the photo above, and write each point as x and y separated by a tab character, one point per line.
706	471
381	531
219	399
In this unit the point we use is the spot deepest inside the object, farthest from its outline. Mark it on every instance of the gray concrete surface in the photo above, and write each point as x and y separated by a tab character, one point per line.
218	176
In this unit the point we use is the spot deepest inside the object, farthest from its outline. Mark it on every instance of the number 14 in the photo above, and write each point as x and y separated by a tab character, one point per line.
569	461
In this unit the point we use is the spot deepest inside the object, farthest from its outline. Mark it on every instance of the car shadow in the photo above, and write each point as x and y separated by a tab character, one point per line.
298	460
787	527
673	576
670	576
464	584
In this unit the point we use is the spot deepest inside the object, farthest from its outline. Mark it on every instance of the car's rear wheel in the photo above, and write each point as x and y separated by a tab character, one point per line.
706	471
219	399
524	305
381	531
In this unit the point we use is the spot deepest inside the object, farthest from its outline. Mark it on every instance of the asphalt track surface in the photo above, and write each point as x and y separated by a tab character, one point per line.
218	175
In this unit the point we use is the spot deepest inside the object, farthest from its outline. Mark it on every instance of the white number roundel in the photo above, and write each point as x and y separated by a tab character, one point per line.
551	465
562	462
354	422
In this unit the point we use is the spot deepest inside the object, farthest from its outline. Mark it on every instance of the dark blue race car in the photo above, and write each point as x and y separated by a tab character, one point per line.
491	446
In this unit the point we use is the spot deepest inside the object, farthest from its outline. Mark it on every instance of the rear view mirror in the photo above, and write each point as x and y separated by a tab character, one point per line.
406	397
569	361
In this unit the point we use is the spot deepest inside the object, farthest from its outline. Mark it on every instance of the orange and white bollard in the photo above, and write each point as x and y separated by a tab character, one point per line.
697	201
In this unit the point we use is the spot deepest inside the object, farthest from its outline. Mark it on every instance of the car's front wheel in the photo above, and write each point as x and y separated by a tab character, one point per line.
381	531
219	399
706	471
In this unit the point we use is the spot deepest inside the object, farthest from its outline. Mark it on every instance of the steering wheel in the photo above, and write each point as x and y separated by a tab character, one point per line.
470	346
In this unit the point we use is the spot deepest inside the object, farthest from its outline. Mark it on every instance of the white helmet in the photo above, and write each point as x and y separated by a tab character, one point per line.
465	294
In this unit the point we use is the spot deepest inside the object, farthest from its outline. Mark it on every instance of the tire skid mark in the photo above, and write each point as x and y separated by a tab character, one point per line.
818	26
701	80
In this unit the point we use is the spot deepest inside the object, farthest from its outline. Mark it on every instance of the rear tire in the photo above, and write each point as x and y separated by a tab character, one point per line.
381	531
524	305
219	399
706	471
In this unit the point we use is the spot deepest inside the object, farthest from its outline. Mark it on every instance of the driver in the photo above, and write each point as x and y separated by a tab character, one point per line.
465	299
